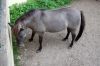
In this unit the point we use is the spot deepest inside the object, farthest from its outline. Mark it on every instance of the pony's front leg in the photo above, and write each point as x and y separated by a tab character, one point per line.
32	36
40	42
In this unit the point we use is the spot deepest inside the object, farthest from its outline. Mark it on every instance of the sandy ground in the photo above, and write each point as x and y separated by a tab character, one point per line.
85	52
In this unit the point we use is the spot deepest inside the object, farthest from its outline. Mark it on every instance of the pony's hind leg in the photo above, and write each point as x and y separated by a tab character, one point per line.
68	30
40	43
32	36
73	38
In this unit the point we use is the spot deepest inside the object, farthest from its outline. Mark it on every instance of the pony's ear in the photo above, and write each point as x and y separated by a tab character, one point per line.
11	25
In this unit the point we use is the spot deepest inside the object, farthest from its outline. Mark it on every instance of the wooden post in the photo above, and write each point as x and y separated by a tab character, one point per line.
6	52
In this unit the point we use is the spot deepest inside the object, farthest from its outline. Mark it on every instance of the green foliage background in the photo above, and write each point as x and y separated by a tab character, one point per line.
17	10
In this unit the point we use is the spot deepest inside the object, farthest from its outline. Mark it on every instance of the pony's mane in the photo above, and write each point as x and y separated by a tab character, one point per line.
24	16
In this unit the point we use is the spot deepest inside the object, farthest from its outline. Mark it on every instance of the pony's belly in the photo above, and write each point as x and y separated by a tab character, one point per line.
56	28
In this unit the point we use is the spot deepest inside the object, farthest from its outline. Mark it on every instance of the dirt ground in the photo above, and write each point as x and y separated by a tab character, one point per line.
85	52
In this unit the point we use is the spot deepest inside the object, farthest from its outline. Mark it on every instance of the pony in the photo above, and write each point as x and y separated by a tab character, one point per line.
41	21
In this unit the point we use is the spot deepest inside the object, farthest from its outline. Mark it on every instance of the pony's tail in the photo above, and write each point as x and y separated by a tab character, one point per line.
82	26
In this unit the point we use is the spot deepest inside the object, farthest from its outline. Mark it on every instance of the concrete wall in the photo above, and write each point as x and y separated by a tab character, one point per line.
6	52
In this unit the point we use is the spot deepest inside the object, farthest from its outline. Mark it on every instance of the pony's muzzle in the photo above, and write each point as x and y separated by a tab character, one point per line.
21	45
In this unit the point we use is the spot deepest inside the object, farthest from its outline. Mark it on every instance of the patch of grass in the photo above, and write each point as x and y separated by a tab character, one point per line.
17	10
16	52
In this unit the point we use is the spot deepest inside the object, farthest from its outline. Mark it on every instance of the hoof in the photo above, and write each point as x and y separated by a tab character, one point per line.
64	39
30	40
37	51
69	47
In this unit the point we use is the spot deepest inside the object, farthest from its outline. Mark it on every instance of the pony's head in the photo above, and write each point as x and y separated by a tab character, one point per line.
18	32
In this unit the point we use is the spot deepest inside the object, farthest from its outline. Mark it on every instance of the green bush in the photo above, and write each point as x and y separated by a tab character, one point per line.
17	10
